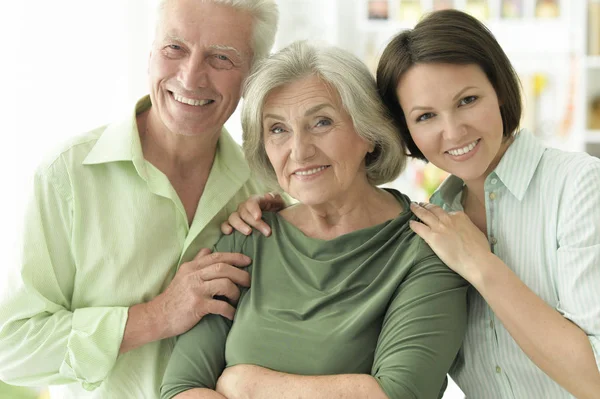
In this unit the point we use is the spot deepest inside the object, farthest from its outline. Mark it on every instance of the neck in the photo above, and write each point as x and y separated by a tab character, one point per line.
367	207
175	154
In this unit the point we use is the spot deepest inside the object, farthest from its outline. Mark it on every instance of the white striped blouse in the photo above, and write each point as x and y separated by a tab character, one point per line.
543	221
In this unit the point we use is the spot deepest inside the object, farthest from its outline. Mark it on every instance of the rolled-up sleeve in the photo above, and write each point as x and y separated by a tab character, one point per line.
578	276
422	331
42	339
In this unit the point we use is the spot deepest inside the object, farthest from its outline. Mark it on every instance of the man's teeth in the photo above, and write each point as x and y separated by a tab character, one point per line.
190	101
464	150
310	171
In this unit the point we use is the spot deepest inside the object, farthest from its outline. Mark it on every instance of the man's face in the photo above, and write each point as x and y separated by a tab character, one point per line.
199	60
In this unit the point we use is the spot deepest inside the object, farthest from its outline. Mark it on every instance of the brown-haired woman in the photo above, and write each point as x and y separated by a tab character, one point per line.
518	220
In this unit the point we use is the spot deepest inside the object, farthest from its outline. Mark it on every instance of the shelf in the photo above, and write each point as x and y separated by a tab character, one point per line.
520	36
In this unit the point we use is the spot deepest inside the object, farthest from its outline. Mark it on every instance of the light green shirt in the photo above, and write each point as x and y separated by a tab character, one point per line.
105	230
543	220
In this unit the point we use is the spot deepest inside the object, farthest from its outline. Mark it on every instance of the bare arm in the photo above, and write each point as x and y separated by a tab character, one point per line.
262	383
199	393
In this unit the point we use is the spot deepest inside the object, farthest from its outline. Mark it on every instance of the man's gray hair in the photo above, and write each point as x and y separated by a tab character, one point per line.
356	87
265	14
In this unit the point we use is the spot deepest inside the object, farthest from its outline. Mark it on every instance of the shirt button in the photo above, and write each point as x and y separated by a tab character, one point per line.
492	196
498	369
493	241
494	181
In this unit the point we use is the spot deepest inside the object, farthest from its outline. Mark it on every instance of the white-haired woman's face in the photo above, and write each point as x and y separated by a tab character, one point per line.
310	140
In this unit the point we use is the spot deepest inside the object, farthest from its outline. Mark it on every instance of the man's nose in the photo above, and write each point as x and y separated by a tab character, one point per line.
193	73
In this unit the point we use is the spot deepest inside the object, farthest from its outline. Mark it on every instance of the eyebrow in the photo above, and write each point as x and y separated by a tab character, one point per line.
310	111
227	48
456	97
460	93
222	47
171	36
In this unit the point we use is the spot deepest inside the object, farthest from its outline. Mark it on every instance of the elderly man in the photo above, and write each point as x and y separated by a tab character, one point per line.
112	266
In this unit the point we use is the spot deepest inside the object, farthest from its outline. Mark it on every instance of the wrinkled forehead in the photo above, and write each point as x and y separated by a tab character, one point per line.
202	19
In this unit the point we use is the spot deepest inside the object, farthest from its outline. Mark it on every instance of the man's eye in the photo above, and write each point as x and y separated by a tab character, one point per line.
220	61
468	100
425	117
174	47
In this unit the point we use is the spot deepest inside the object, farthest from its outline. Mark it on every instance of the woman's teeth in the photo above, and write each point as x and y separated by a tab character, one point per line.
464	150
310	171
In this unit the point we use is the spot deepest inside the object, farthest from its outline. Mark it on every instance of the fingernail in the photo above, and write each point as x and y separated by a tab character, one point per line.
247	230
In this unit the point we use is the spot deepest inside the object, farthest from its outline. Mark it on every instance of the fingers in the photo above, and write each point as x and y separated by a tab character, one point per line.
202	253
424	213
226	228
231	258
422	230
223	270
251	208
436	210
249	216
216	306
224	288
237	223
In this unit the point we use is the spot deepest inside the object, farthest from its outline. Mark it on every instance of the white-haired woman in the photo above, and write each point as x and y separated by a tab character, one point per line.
345	300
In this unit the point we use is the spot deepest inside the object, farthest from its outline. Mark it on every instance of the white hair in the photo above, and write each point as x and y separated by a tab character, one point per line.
265	14
346	74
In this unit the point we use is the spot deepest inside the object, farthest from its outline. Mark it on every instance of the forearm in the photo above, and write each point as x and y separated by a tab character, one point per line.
556	345
199	393
143	326
269	384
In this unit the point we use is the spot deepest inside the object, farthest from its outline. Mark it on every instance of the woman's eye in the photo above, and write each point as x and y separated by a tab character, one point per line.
425	117
468	100
277	130
323	122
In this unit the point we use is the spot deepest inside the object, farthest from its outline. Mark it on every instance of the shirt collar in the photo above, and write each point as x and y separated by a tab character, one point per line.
120	141
519	163
515	170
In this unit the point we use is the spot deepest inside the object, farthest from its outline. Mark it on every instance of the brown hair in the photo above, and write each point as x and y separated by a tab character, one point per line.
452	37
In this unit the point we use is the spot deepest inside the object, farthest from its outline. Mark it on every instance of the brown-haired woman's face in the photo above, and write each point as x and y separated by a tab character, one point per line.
453	114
